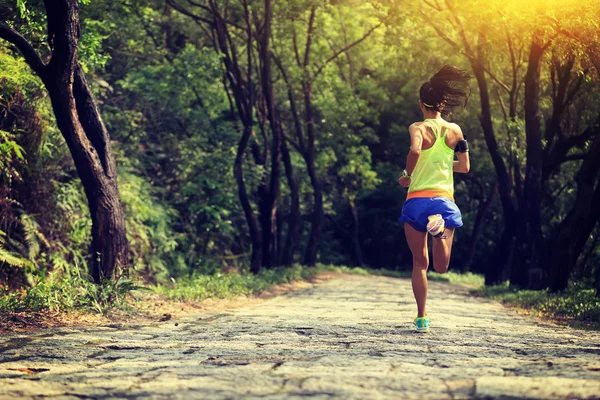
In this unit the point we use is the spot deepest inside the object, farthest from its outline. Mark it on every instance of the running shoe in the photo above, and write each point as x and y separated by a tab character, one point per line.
436	226
422	324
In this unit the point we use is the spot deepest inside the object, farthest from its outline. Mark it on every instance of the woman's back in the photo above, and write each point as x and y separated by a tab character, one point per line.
433	173
452	137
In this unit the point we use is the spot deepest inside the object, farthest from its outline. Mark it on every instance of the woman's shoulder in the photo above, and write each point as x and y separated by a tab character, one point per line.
454	129
416	127
454	134
416	124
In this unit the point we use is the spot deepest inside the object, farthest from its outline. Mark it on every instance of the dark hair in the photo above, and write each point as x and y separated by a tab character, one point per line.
441	89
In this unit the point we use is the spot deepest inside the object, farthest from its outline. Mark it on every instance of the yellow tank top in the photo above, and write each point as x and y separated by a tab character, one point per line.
433	175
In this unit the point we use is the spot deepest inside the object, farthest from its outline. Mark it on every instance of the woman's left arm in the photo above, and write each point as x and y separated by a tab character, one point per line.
463	164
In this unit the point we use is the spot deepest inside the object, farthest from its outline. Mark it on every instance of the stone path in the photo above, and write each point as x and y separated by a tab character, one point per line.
347	338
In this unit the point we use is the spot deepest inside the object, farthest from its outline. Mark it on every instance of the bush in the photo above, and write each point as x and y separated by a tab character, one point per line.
67	291
577	302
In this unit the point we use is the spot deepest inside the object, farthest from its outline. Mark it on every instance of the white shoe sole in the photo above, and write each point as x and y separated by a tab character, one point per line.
436	227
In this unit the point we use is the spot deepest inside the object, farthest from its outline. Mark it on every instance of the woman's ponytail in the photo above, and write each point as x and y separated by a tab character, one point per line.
443	92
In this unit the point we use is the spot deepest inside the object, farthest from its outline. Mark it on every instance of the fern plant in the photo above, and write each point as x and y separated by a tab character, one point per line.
23	248
9	150
33	237
11	259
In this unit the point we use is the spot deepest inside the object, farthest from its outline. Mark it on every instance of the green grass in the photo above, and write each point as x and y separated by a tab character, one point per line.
578	303
71	290
67	291
220	285
467	278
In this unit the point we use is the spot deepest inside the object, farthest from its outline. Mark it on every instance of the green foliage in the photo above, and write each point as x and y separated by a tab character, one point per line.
66	290
16	73
28	17
459	278
94	33
23	249
358	173
9	151
72	203
152	241
12	259
219	285
578	302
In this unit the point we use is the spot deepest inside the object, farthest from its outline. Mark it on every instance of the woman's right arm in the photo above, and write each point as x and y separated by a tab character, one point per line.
416	143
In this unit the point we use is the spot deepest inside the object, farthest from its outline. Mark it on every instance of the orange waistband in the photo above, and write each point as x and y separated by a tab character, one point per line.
429	194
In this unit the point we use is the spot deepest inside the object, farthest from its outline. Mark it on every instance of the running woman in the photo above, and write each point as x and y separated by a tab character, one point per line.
429	206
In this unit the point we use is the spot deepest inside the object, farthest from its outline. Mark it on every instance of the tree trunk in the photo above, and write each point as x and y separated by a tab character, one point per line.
255	259
587	268
574	231
529	249
597	281
279	239
80	123
293	236
242	90
269	205
310	256
358	257
484	207
494	272
109	240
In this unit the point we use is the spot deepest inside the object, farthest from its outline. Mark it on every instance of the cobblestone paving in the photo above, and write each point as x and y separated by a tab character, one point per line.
347	338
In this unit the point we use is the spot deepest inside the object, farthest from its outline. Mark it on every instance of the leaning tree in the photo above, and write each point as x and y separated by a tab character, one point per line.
79	121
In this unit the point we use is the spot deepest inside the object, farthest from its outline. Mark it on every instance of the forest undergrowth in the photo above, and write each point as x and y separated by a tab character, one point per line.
73	297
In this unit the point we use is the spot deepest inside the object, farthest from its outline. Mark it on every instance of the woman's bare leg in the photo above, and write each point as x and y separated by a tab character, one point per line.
442	248
417	242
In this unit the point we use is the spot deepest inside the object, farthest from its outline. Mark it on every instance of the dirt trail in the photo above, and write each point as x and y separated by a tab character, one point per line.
350	337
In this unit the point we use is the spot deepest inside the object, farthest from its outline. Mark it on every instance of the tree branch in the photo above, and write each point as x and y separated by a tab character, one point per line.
557	155
199	5
176	6
434	6
31	56
188	13
575	89
294	144
502	106
587	134
467	47
460	25
293	109
446	37
311	24
295	43
336	54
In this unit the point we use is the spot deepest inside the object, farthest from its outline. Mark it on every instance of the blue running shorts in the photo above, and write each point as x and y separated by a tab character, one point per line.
415	212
